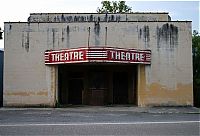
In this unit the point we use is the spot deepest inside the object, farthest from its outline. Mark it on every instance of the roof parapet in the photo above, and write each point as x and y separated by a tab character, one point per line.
94	17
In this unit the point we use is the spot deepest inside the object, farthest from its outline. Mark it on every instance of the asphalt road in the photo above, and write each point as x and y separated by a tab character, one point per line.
96	122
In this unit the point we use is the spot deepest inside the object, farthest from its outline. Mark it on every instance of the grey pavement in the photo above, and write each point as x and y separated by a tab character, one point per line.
158	110
100	120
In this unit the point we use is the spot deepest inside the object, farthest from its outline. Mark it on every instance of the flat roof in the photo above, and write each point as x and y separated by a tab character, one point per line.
104	13
100	22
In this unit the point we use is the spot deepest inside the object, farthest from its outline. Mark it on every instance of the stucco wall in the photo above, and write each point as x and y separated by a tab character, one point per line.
167	81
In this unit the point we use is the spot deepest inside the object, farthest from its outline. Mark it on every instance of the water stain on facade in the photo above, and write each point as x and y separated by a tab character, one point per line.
169	34
165	80
97	32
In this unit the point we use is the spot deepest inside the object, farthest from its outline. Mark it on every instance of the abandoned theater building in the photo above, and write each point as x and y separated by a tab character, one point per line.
142	59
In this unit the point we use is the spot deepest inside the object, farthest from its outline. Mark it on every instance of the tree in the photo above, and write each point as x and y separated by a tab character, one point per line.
114	7
196	67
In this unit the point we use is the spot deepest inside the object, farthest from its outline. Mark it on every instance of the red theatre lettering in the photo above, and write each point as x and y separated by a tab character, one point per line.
127	56
67	56
98	54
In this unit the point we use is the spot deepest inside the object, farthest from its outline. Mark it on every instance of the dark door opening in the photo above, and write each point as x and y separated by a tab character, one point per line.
75	91
97	87
120	88
70	83
97	84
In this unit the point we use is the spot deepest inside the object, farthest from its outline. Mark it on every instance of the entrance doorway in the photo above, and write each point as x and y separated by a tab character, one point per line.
75	91
97	84
120	88
71	85
97	87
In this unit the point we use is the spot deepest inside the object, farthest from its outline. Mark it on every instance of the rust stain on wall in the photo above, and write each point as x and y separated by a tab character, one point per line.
156	94
181	96
27	93
20	93
141	84
42	93
53	84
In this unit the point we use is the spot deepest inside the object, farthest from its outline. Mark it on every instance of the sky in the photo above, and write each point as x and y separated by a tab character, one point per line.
19	10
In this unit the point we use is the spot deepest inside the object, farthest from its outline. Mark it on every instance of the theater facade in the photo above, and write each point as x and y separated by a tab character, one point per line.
141	59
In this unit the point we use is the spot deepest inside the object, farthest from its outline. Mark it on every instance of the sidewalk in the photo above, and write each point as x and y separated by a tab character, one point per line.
168	110
151	110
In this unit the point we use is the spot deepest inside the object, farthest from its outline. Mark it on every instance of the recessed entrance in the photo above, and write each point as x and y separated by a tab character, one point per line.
97	84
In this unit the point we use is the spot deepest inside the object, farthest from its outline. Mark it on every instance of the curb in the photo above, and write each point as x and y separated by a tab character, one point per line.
150	110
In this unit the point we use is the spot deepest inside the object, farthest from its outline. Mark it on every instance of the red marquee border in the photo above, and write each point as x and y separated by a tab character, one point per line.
98	54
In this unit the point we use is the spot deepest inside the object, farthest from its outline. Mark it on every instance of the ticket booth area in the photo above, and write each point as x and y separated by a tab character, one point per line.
97	84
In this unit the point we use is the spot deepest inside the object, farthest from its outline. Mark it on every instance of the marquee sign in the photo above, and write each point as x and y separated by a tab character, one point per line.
98	54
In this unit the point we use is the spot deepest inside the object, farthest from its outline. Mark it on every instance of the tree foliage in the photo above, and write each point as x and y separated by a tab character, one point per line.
196	67
114	7
1	34
196	57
